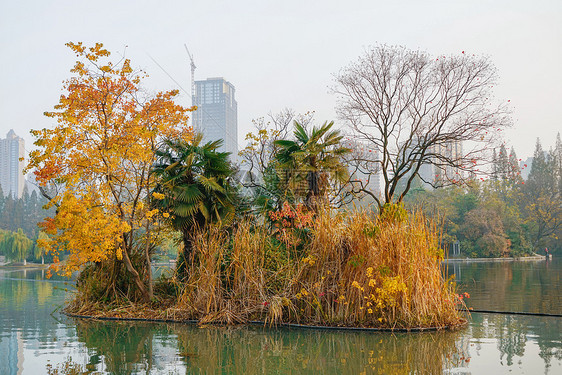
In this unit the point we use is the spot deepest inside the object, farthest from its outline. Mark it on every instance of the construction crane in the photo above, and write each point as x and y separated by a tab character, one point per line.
192	72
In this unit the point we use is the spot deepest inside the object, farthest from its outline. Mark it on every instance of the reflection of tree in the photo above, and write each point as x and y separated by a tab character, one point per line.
125	347
512	336
68	367
216	350
26	304
513	332
513	286
44	292
549	339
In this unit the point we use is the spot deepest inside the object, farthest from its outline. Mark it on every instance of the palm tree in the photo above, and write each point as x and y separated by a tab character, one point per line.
193	189
313	157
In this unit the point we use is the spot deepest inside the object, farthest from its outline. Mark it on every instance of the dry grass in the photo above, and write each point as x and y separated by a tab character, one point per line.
356	269
375	271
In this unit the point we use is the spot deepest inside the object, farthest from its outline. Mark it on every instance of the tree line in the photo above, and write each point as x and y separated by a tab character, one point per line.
18	226
502	214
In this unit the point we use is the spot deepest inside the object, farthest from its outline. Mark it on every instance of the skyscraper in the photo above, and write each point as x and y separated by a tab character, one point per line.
444	174
217	113
12	149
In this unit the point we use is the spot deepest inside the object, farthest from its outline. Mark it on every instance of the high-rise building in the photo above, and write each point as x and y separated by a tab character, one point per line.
217	113
437	176
363	165
12	152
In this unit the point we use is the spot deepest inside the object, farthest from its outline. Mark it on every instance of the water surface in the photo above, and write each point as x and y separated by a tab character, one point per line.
36	340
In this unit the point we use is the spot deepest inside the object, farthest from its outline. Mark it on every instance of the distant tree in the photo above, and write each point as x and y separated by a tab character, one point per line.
543	199
7	219
506	175
557	157
15	245
257	172
410	107
260	150
484	234
514	171
38	251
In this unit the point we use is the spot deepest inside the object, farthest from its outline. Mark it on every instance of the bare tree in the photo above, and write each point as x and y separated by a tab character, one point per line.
411	110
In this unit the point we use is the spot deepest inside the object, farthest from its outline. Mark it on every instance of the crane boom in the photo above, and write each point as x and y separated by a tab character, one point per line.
192	72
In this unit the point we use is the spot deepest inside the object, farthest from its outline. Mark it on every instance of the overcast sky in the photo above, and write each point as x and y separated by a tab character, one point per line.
280	53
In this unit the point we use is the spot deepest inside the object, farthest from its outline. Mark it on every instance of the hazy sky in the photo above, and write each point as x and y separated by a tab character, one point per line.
280	53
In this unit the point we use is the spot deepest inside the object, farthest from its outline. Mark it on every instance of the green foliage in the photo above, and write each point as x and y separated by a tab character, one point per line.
393	213
193	189
306	164
24	212
542	194
484	217
16	246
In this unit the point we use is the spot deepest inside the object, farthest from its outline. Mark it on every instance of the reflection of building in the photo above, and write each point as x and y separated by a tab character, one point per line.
217	113
12	150
11	354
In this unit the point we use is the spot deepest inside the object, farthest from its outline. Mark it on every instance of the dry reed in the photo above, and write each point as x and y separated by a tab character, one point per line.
356	269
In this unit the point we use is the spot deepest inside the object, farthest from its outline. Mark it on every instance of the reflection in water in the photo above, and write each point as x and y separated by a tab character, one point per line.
514	334
525	286
264	351
32	341
128	348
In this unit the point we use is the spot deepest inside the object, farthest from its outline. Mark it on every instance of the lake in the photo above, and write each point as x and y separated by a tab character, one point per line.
36	339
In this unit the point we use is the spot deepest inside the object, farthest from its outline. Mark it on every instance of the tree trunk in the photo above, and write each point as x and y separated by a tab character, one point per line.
148	262
185	257
136	276
313	191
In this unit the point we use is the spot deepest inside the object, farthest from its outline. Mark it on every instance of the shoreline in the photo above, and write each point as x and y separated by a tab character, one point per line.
508	259
265	324
28	266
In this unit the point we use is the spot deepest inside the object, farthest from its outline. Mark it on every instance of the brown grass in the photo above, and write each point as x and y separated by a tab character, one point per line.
356	269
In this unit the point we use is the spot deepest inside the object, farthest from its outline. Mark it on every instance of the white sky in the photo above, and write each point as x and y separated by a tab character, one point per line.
280	53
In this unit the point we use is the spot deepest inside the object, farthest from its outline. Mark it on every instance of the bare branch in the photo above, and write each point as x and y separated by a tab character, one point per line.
413	110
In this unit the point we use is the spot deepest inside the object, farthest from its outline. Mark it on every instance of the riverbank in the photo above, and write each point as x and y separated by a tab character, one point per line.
27	266
535	257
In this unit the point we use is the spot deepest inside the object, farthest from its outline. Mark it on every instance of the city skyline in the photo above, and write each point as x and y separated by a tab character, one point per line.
282	55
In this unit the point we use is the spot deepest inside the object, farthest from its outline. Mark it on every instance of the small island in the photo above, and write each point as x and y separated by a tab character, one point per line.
298	236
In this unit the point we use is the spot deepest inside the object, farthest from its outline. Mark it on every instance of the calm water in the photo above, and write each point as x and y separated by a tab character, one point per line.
36	340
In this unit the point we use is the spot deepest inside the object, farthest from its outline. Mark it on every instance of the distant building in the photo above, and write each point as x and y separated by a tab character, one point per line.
217	113
432	174
526	167
12	152
363	164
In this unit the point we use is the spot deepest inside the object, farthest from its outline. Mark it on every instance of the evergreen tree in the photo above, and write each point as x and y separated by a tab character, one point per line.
514	173
543	202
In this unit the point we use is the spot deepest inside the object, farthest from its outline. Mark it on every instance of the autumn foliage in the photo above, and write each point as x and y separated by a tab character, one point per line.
95	165
121	167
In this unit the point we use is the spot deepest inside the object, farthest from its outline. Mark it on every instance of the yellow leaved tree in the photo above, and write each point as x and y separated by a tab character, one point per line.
94	166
